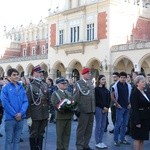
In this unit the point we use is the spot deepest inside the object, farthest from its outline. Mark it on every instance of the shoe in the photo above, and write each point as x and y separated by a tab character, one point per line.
117	144
104	145
1	135
112	131
101	145
125	142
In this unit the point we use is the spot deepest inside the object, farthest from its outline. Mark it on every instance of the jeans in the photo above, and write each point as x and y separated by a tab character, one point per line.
13	131
100	119
122	117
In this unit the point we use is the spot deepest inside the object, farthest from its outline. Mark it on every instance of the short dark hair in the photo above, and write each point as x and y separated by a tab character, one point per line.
11	70
116	73
124	74
142	74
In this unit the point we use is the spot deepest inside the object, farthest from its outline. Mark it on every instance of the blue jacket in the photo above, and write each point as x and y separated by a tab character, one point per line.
14	100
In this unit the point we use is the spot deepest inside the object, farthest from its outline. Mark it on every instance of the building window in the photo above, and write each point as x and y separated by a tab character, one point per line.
33	51
43	49
61	37
90	32
24	52
74	34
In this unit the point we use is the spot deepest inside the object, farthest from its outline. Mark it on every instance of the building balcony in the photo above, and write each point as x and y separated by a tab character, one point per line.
25	58
131	46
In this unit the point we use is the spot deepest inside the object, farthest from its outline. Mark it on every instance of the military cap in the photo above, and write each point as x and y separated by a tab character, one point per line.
61	80
37	69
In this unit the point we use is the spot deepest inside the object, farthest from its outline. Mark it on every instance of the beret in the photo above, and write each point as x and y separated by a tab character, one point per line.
85	70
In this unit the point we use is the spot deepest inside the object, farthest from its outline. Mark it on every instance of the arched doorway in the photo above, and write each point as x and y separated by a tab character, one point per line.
75	75
123	64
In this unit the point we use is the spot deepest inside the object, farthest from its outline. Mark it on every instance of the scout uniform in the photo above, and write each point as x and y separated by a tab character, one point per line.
84	96
38	110
63	115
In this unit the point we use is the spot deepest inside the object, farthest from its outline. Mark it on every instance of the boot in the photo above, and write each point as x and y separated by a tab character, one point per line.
40	143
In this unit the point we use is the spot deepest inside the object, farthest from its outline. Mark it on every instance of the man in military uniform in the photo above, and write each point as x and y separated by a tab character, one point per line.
84	96
62	102
37	92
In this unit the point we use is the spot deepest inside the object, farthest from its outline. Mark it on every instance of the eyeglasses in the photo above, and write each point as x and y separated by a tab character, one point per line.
15	74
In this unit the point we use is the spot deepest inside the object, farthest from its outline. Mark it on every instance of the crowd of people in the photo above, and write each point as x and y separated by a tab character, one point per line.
40	100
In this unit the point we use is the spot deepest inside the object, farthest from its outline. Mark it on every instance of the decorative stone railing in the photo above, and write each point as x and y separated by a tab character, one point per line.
131	46
25	58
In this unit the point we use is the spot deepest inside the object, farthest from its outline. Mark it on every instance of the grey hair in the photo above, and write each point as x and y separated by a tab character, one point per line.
138	79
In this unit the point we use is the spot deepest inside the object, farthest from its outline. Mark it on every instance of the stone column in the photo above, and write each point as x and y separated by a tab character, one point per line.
52	74
68	73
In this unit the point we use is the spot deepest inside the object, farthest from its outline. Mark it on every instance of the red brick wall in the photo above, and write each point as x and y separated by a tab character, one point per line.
142	30
102	25
53	35
10	54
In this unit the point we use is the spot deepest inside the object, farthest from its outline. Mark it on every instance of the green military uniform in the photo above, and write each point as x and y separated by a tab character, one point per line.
37	92
85	97
63	120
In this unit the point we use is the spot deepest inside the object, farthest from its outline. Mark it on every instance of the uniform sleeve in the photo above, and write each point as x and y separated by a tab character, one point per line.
76	94
5	102
54	100
29	97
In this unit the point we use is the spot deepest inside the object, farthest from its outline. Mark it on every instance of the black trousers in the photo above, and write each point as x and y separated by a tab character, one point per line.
37	128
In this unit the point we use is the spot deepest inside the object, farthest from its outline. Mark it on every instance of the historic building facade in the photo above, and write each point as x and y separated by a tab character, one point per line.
105	35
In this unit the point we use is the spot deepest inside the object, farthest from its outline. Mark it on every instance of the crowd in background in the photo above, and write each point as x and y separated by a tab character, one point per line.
128	98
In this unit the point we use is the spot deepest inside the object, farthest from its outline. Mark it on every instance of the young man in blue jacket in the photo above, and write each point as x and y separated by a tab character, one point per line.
15	104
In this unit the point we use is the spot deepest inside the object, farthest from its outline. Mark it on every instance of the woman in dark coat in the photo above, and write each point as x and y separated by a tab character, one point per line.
140	113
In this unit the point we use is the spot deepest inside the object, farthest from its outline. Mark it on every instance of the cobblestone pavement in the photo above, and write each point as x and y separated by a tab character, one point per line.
51	139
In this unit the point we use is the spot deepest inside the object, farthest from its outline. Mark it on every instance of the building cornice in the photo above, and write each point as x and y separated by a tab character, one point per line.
131	46
25	58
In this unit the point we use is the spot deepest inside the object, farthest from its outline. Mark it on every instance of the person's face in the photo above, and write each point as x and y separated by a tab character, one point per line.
122	79
63	86
102	81
134	75
48	82
128	78
115	78
87	76
141	84
37	74
14	77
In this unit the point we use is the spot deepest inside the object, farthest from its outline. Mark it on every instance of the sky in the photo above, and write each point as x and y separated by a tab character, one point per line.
14	13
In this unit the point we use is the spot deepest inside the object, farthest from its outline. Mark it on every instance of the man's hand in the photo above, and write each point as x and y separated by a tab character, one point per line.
29	122
105	110
129	106
138	125
18	116
118	106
